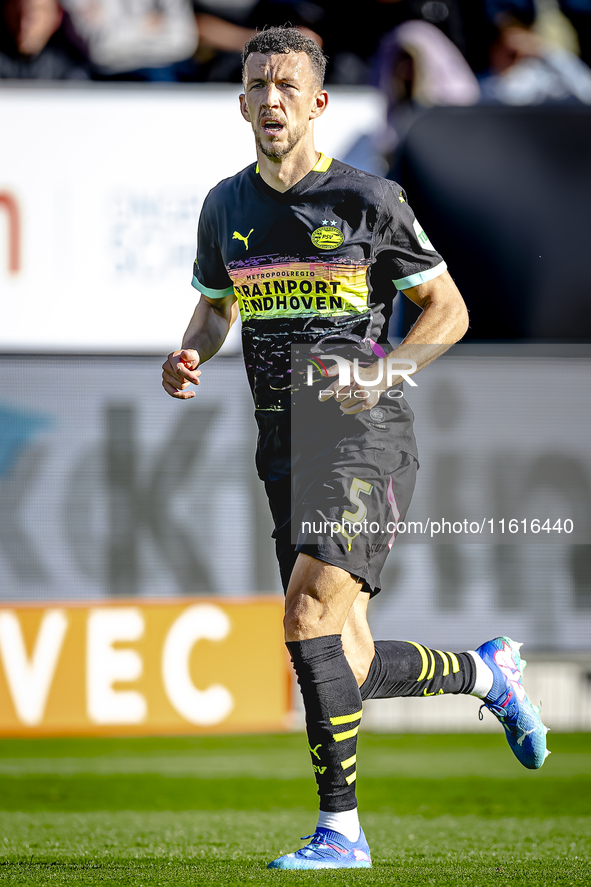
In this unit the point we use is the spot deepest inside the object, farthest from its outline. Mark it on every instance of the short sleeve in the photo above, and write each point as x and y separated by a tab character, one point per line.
210	275
403	245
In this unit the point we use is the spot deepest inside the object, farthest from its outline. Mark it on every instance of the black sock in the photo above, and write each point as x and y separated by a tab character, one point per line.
333	712
403	668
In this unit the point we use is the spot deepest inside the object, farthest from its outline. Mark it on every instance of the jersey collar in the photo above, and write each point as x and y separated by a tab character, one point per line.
321	166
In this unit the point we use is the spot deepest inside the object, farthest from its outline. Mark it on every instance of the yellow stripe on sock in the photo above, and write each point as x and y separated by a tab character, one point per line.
351	778
432	669
346	719
455	665
445	661
338	737
424	660
349	762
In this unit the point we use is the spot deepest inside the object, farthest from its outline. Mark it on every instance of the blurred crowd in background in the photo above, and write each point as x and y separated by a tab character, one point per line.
424	52
418	53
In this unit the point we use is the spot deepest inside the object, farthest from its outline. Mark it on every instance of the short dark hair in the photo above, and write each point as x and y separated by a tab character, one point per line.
286	39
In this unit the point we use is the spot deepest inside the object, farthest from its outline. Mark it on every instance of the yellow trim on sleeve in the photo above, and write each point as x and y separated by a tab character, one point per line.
351	778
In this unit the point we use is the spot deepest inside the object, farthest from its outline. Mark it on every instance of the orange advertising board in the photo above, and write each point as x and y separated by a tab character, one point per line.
192	666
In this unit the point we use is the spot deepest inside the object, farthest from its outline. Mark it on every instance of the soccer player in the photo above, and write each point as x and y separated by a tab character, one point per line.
311	252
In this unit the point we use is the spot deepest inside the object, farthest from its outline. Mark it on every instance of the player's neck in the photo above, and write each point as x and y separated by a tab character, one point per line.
285	172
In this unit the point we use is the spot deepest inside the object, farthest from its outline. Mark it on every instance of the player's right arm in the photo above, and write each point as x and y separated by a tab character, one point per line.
203	338
216	310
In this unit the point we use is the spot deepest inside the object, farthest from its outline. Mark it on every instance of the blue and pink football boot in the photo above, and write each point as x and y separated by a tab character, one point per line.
507	700
327	850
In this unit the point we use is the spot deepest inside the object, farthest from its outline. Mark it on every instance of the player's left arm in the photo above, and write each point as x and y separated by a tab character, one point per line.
443	321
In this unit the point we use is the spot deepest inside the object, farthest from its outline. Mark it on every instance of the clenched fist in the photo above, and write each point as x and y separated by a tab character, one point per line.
179	371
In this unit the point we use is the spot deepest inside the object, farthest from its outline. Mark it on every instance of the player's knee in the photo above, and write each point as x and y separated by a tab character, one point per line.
305	618
296	624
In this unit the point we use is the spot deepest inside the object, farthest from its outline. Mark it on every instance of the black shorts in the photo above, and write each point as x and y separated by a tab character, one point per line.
341	505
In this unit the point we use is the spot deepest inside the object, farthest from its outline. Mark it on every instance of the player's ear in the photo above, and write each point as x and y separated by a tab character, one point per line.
244	107
319	104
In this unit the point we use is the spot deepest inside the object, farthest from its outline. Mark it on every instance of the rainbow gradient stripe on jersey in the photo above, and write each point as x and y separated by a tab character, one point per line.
293	289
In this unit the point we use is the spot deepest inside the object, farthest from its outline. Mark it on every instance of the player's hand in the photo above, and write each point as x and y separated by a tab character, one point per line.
354	397
179	371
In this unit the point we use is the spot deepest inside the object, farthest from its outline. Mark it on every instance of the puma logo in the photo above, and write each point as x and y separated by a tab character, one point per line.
238	236
439	692
524	734
314	750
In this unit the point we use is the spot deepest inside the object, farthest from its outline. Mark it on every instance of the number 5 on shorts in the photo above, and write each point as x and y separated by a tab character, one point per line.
353	517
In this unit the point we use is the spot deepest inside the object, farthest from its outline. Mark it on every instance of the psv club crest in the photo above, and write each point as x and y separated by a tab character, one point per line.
327	236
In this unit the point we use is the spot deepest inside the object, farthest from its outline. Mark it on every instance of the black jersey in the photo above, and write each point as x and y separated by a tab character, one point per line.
321	260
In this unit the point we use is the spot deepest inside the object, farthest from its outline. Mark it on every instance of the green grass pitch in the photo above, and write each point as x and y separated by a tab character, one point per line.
445	810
